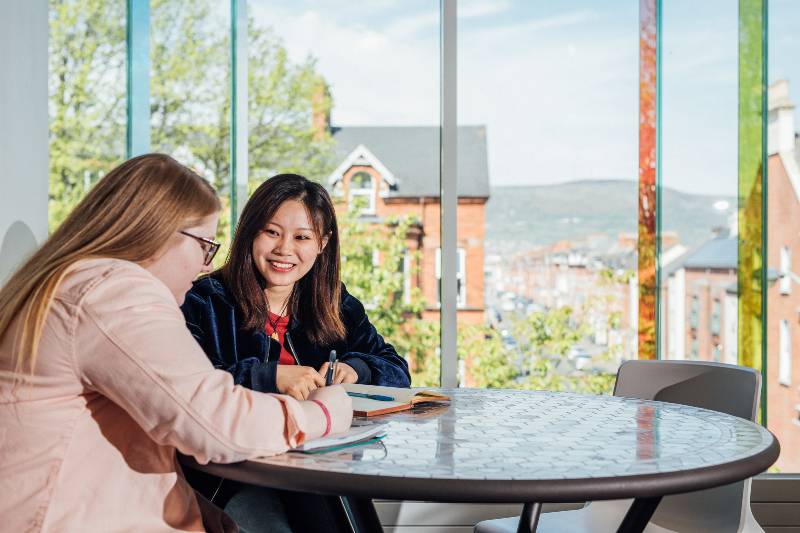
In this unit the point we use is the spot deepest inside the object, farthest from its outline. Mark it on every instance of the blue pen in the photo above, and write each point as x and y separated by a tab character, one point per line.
329	373
378	397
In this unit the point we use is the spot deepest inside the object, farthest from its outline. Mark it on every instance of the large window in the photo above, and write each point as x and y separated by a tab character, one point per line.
547	260
547	192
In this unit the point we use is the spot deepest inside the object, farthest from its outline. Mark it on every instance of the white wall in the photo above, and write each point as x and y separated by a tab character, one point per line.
23	130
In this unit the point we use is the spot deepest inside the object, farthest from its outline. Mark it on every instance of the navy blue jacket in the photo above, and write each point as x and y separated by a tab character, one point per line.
252	357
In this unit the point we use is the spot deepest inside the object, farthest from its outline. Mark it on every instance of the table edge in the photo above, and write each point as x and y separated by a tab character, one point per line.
492	490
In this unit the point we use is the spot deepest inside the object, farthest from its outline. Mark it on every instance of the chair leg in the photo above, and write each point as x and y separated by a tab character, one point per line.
638	516
529	518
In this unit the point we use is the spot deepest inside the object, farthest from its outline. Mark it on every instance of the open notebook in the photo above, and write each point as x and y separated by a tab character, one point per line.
402	399
354	436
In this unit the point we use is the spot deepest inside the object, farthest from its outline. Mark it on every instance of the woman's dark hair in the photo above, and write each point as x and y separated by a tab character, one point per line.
316	296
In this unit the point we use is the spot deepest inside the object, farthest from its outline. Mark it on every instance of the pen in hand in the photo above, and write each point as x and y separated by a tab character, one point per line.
331	368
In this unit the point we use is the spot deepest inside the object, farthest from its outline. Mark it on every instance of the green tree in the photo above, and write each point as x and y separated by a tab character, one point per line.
487	362
373	259
549	333
546	337
86	98
190	98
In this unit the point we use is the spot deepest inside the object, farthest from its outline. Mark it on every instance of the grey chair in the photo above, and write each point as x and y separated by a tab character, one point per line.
734	390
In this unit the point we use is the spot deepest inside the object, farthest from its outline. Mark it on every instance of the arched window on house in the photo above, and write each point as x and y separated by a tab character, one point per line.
362	192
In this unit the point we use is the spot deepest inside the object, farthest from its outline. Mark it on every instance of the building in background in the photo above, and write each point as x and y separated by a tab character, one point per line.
700	289
394	171
783	295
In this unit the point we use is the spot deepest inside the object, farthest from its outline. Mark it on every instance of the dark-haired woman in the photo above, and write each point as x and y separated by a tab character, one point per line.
272	314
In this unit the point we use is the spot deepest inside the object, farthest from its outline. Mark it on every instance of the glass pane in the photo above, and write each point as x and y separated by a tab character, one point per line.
548	187
783	221
190	91
348	95
699	181
87	54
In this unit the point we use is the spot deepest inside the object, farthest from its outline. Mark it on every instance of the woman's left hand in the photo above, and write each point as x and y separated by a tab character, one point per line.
344	373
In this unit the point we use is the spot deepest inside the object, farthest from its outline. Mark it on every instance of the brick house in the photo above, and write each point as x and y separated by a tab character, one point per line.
394	171
697	302
783	300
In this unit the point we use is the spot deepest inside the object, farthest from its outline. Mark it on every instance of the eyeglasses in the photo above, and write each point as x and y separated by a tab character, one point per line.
209	247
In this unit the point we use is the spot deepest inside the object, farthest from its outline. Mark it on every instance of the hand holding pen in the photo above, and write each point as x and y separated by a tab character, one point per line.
342	372
331	369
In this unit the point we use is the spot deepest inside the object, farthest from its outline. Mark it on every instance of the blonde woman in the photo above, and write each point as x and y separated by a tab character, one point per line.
101	382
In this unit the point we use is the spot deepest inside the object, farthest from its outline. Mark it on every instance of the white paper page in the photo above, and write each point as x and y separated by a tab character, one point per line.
400	395
354	434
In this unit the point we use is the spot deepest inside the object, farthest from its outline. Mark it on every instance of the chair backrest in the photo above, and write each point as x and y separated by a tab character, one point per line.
719	387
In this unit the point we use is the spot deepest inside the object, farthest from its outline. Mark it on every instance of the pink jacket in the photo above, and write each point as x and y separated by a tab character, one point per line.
88	443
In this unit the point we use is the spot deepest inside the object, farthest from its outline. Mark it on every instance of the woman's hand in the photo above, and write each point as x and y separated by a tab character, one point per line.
297	381
344	373
339	405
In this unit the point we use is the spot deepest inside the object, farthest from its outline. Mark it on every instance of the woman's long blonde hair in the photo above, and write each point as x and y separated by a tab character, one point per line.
130	214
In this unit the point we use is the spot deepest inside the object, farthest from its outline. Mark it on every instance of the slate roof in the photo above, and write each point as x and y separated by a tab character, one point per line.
716	253
411	153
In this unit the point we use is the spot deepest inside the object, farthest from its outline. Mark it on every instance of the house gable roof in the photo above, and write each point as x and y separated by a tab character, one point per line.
410	156
361	156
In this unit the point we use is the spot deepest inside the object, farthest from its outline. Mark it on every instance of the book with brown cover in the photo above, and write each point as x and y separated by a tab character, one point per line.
403	399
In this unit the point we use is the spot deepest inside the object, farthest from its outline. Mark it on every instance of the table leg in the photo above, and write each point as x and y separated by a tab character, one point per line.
529	518
336	515
639	515
362	514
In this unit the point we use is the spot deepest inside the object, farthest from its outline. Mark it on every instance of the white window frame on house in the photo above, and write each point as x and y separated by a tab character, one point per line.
715	320
363	192
785	283
406	277
694	312
785	354
461	277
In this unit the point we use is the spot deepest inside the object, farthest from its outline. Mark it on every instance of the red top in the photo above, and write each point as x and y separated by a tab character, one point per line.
281	323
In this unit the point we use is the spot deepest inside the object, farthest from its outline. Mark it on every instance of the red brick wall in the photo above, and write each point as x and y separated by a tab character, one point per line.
471	220
784	230
708	285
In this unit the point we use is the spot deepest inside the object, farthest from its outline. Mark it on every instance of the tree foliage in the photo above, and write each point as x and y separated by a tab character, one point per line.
86	98
190	97
376	265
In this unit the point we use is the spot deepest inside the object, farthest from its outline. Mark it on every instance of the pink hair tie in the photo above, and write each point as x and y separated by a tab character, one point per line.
327	417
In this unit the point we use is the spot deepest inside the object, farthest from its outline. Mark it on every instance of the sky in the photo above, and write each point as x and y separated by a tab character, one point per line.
555	83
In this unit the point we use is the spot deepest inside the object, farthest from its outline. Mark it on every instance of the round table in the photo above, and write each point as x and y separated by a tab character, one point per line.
528	446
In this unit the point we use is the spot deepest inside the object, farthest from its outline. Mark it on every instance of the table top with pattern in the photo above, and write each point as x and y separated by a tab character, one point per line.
517	446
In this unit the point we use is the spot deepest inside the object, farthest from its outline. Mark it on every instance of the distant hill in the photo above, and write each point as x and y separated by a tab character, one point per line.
519	217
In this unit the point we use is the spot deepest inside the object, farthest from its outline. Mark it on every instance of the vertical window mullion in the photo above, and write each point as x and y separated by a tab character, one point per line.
448	194
138	74
648	243
752	235
239	125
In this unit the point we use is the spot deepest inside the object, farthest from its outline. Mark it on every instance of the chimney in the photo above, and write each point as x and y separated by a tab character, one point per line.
320	108
780	128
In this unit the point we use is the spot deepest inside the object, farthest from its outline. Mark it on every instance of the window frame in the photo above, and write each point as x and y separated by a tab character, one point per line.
363	192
